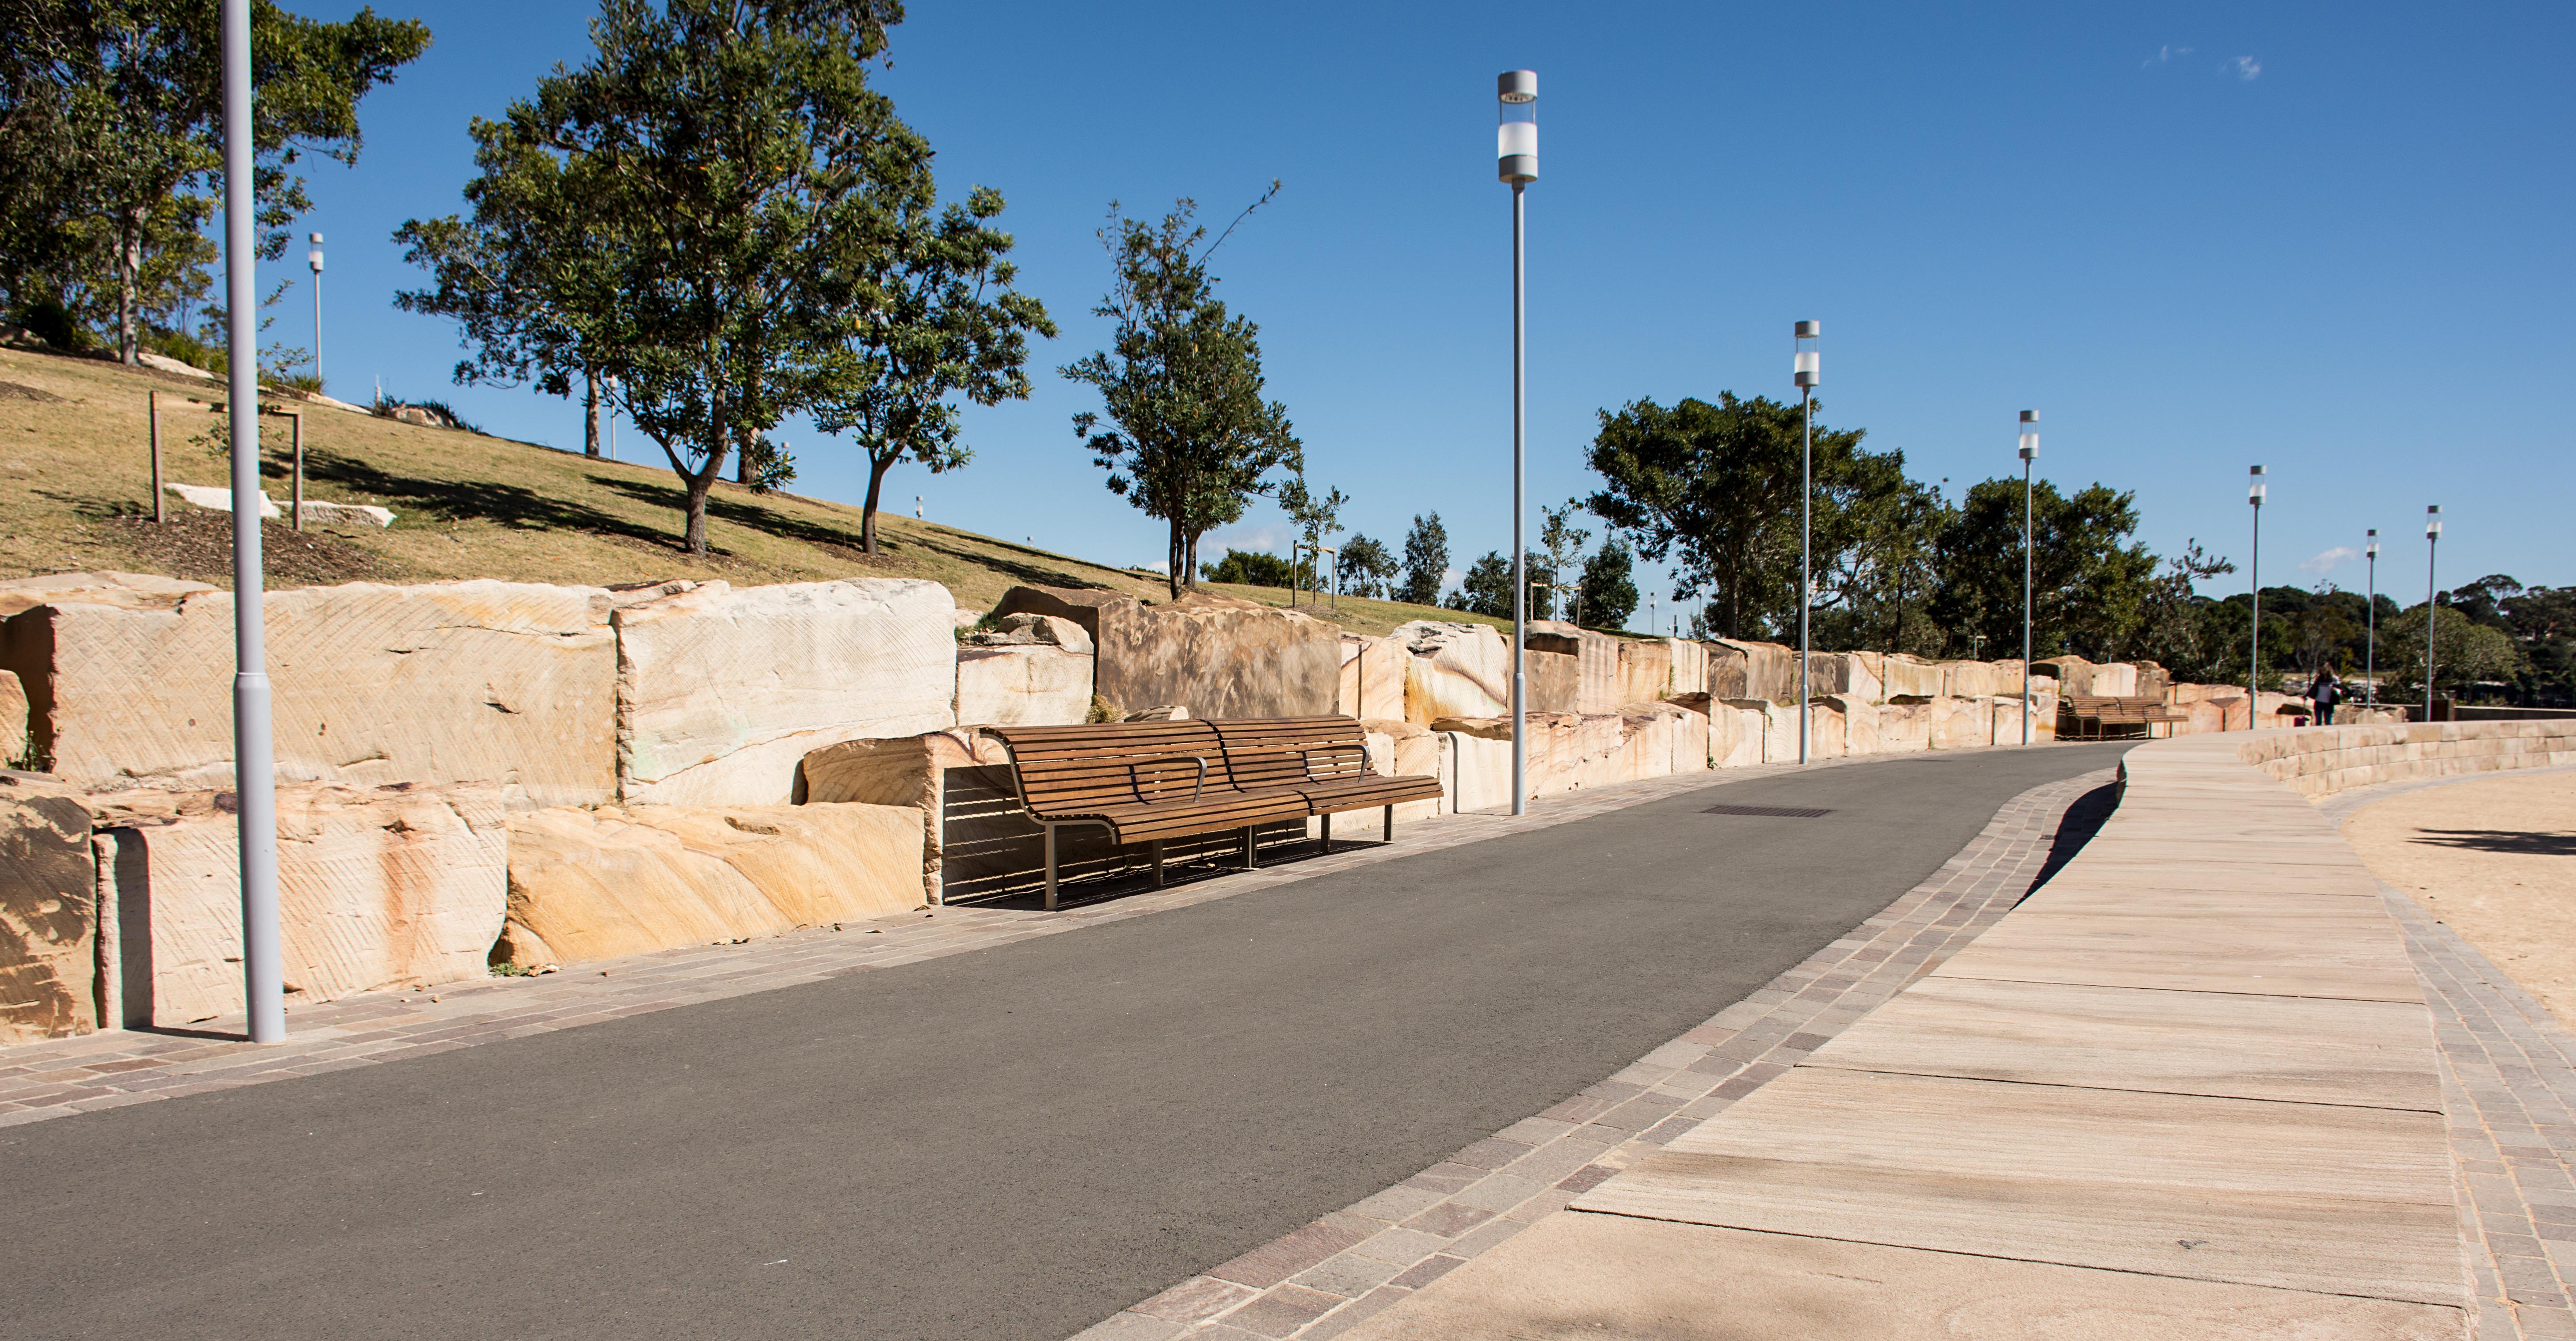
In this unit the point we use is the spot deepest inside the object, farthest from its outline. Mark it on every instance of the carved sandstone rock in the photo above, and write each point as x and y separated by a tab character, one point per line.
1023	684
1456	670
502	682
48	911
722	690
1215	655
909	771
1373	676
13	721
597	884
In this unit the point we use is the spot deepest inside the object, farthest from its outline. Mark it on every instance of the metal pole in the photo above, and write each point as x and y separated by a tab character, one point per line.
2432	553
2370	639
1520	550
1806	535
255	771
2025	602
152	411
317	330
295	428
2254	656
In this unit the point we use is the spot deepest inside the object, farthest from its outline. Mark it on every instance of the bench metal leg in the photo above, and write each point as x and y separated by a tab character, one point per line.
1328	835
1390	824
1050	868
1251	858
1158	863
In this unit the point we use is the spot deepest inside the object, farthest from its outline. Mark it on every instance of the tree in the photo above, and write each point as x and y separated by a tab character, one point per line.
2088	584
2187	633
937	318
1563	542
1609	586
1366	567
1487	588
1876	591
119	105
1426	561
1182	383
1717	485
688	214
1251	568
2470	660
1316	519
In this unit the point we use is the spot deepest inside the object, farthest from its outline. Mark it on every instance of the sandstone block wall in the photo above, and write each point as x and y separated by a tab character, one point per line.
48	911
1770	671
1033	685
14	746
501	682
1909	675
908	771
392	886
1455	670
1214	655
1596	662
721	691
596	884
1373	676
2317	762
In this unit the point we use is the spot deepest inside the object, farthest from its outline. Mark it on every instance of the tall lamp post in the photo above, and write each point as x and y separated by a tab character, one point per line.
1516	163
314	259
2029	453
2254	577
1808	369
2370	626
2432	553
254	766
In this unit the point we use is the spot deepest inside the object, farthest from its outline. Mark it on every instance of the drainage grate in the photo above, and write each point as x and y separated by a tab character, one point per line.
1769	812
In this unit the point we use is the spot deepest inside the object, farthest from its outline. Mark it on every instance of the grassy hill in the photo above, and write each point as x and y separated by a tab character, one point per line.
76	493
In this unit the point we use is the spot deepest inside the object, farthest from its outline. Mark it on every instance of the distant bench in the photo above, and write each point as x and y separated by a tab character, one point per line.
2106	715
1148	781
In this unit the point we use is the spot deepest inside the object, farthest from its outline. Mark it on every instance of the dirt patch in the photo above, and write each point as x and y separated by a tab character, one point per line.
21	391
2495	860
198	544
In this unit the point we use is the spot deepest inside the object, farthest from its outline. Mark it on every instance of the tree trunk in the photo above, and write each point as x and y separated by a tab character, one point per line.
1190	564
700	484
129	282
877	468
590	415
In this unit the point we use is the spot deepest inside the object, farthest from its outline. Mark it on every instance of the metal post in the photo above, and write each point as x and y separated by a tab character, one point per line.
2370	625
2432	555
263	959
2254	654
295	430
1520	549
2025	603
152	412
1806	535
317	328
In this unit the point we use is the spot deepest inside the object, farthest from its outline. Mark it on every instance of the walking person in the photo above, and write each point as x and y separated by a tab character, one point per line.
2325	692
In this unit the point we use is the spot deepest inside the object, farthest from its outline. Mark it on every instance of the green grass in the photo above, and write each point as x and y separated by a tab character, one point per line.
75	493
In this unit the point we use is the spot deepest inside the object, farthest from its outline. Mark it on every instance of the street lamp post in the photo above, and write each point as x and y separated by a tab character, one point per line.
1808	369
2254	492
1516	162
2432	553
2370	625
2029	453
254	764
314	259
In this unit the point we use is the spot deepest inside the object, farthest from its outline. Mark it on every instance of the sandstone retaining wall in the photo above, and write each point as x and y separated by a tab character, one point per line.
2319	761
48	911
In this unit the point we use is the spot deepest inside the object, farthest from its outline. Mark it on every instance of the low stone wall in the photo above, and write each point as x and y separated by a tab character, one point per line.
48	911
2317	762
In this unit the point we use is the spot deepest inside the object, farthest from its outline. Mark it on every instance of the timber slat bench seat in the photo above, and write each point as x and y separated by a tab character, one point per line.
2105	714
1148	781
1323	759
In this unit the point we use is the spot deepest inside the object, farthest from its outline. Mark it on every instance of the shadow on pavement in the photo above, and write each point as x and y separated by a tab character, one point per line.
2083	819
2517	842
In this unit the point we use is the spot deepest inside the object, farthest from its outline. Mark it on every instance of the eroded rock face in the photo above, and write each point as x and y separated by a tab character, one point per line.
597	884
1596	663
1456	670
721	691
1373	676
1905	725
13	720
1770	671
48	911
1736	728
1911	676
1033	684
1024	630
1215	655
396	886
501	682
909	771
133	591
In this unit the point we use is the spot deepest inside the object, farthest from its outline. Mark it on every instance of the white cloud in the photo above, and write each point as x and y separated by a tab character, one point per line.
1163	566
2329	560
2163	54
1266	538
2244	67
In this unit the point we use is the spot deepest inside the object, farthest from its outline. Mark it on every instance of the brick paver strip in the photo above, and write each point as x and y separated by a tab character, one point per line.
1417	1231
60	1077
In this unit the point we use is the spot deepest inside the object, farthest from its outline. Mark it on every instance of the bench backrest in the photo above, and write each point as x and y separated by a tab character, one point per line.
1065	769
1268	752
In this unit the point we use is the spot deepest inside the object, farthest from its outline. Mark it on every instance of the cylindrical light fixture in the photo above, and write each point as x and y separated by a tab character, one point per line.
1809	366
2254	489
1516	140
2029	435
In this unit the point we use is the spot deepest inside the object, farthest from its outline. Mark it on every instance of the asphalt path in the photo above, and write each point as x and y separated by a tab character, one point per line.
1011	1143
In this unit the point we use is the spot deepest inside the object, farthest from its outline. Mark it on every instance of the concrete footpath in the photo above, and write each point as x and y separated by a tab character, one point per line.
2187	1089
1011	1139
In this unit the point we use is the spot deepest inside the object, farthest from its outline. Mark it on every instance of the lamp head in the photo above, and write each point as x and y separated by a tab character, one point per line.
314	257
1808	368
2433	522
2371	550
2029	435
2254	491
1516	139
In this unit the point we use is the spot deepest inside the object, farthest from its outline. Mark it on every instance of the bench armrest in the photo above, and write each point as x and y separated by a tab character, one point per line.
1195	792
1368	762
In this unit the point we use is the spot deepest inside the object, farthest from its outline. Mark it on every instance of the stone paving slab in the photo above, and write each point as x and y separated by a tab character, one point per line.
1343	1270
60	1077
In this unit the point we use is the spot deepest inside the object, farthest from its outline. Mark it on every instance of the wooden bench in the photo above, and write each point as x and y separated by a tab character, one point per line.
1148	781
2105	714
1322	759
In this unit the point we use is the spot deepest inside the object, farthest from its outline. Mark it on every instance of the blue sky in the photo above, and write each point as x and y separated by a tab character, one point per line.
2328	238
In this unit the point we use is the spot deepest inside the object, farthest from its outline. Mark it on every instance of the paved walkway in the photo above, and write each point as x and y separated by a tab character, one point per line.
2188	1089
948	1139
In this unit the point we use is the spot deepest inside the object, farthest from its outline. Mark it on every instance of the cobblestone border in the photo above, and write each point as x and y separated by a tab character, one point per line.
113	1068
1329	1276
